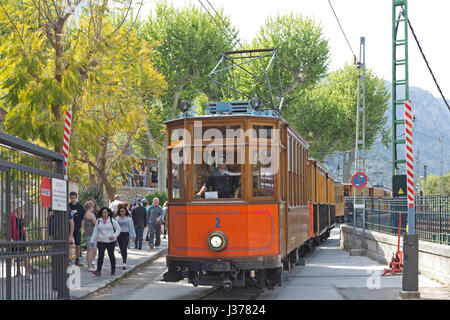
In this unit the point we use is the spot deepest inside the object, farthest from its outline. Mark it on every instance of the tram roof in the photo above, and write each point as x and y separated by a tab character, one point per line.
236	109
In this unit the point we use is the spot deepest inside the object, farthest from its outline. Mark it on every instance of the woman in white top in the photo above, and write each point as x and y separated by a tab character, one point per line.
106	231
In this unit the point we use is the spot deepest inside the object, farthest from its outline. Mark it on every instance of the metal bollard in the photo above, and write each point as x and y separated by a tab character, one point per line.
410	281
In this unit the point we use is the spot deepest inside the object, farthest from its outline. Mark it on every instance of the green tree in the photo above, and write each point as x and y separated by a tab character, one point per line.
303	53
433	184
190	44
87	55
325	113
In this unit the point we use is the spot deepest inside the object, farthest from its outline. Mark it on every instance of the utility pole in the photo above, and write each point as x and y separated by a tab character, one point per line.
400	79
425	179
417	173
360	153
442	166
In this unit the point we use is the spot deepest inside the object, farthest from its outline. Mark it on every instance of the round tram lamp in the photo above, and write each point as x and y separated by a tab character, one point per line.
256	103
184	106
217	241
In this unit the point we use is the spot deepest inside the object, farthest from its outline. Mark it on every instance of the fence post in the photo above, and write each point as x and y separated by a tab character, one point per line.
379	215
8	233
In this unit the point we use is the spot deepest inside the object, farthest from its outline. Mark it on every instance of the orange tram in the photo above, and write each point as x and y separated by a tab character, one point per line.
244	207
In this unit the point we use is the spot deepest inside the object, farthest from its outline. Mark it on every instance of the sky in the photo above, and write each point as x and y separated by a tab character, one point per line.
371	19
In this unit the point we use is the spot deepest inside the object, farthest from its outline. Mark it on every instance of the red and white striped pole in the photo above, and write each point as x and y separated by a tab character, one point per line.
409	167
66	141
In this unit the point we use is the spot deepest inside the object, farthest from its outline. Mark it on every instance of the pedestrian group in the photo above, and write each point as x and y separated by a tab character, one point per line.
115	226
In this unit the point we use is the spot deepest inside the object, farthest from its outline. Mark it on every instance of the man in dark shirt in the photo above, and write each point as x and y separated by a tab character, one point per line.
76	210
139	214
222	181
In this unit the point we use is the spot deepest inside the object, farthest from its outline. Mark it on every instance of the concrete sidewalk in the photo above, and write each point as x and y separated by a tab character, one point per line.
331	273
91	283
359	277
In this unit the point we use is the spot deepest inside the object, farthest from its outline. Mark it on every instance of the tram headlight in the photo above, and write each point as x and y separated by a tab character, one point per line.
184	105
217	241
256	103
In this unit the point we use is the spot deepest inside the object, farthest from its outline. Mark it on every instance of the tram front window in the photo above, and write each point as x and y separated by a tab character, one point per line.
218	178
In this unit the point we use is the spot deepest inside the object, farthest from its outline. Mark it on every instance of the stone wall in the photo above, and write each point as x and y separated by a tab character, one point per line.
129	193
434	259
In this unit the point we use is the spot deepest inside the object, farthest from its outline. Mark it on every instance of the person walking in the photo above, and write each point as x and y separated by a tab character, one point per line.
76	210
165	218
89	224
127	232
154	224
18	234
139	215
106	231
96	214
114	206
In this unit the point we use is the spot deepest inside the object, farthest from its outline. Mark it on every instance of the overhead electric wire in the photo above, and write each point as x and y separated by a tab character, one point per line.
354	55
428	65
225	25
221	29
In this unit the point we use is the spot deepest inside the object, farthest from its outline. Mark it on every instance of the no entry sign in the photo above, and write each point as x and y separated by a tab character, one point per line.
46	192
359	180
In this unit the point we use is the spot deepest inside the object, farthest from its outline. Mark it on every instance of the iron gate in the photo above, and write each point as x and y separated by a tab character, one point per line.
33	239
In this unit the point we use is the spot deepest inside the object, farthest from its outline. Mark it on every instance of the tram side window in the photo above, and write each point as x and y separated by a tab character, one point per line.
177	175
263	175
218	176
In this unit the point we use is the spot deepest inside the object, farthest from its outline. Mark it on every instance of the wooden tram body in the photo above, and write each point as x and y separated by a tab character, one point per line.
275	215
343	190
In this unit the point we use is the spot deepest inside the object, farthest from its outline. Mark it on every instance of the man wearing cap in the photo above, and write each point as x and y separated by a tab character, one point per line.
139	214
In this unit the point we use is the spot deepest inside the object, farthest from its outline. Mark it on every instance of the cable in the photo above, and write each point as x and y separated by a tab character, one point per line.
354	55
428	66
221	29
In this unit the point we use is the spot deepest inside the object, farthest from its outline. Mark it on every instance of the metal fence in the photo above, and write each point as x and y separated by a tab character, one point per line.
33	242
382	215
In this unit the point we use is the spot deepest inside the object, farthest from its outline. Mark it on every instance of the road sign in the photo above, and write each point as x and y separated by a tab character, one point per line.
359	180
45	192
59	196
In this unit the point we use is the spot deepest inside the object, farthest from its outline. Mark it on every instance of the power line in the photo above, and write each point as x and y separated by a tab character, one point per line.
220	28
354	55
428	66
226	26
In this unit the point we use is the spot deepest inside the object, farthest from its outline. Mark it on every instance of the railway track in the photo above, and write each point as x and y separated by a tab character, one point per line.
219	293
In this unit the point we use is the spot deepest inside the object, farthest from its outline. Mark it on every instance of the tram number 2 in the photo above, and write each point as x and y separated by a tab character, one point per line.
218	221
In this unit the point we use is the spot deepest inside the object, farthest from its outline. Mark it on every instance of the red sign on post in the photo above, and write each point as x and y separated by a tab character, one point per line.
46	192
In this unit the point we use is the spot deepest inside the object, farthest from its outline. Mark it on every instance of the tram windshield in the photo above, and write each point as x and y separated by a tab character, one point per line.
219	177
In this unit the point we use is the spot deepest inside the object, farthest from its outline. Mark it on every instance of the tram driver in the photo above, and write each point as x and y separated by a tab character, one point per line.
222	180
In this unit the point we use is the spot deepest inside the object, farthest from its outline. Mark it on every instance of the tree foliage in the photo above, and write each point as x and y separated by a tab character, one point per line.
303	53
95	62
190	46
325	114
433	184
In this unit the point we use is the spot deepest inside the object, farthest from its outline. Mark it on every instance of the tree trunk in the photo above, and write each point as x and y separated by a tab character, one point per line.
327	154
162	166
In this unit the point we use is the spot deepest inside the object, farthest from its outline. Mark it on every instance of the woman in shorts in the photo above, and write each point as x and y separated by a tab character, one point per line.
89	224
